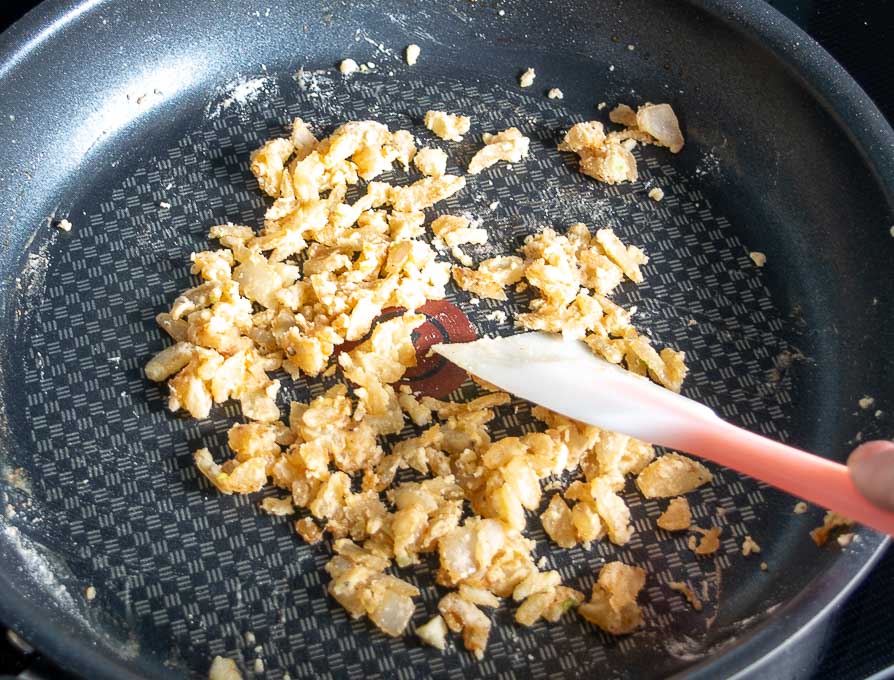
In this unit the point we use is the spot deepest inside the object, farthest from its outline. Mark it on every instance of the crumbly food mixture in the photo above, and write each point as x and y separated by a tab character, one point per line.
431	162
686	591
832	523
573	275
318	275
677	516
447	126
509	145
707	544
612	605
608	157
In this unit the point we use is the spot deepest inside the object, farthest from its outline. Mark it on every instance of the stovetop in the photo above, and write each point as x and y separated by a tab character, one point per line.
858	645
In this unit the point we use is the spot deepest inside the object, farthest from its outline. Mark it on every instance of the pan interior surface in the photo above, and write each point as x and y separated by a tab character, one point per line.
98	486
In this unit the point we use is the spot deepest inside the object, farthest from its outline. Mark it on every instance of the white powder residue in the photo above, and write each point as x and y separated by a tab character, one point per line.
30	285
414	23
378	45
474	222
686	648
709	164
497	315
246	91
239	92
318	85
39	570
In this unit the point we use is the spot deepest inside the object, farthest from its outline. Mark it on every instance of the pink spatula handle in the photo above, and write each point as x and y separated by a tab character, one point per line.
802	474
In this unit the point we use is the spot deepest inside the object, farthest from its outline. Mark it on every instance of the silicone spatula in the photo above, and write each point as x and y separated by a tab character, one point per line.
566	377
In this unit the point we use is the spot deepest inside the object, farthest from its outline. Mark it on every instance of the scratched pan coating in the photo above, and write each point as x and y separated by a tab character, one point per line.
136	120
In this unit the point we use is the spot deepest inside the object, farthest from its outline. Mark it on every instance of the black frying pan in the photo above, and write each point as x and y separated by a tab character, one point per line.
109	110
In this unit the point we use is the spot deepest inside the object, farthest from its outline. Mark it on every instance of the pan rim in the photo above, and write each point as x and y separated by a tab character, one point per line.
839	95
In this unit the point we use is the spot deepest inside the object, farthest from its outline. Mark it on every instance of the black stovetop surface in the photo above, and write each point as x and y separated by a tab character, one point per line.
860	644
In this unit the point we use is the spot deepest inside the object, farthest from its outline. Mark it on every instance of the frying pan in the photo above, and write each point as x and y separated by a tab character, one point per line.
135	121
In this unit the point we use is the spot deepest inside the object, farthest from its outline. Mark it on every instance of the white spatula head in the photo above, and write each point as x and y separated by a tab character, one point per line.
566	377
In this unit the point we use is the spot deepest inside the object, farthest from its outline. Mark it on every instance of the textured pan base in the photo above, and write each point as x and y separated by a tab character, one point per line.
189	572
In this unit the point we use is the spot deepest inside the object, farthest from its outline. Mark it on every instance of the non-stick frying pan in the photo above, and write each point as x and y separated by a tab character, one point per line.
135	120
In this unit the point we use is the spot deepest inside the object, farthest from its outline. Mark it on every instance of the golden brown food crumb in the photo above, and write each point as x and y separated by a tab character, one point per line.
749	546
455	231
758	258
688	593
844	540
64	225
308	530
549	603
555	93
677	517
602	158
709	542
431	162
223	669
526	79
608	157
465	617
363	589
434	633
764	566
623	115
447	125
412	54
348	66
672	475
831	522
90	593
800	508
259	665
510	145
866	403
277	506
660	122
491	277
612	605
408	201
558	523
656	193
